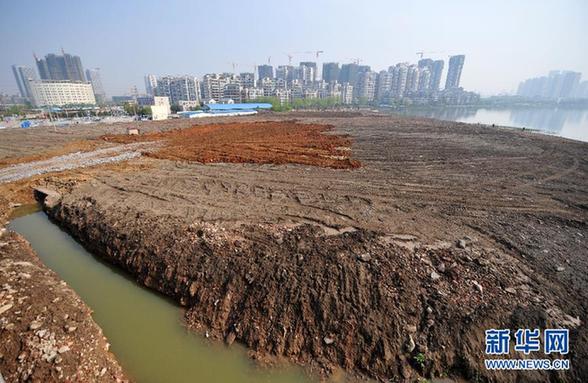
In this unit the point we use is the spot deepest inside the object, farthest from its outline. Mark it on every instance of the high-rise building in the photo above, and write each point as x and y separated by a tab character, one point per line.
558	84
426	67
61	93
265	71
285	73
366	86
247	79
308	71
348	73
399	77
213	85
425	63
93	76
412	79
424	80
384	85
346	93
330	72
454	71
232	91
60	67
436	73
178	88
150	84
23	75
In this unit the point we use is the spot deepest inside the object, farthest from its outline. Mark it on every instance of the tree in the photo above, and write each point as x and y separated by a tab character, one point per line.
130	108
145	111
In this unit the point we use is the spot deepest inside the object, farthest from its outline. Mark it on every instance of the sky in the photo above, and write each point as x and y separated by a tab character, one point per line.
504	42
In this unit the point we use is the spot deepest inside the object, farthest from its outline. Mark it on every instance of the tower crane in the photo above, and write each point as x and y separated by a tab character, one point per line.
420	54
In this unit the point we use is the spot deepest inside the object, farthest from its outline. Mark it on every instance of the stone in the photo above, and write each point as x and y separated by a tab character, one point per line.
411	328
63	349
441	267
50	355
34	325
510	290
5	308
365	257
410	345
71	328
193	289
478	287
461	244
13	205
328	340
435	276
560	269
230	338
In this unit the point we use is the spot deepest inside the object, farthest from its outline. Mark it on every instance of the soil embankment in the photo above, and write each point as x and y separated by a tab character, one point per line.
46	332
354	300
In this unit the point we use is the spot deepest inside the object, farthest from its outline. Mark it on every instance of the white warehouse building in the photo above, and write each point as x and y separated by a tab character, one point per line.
61	93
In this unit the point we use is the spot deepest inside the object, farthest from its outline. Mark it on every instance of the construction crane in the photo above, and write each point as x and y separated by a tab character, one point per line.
420	54
290	56
269	59
234	65
315	53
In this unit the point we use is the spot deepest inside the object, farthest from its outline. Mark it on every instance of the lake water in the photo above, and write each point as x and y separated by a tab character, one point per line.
145	330
565	122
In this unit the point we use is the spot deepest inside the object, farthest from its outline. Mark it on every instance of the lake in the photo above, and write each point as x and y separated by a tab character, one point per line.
565	122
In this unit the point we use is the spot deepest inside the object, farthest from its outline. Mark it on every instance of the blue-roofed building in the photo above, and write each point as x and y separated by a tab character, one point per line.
220	110
237	107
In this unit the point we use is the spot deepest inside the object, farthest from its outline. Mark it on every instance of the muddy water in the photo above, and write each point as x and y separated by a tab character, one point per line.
145	329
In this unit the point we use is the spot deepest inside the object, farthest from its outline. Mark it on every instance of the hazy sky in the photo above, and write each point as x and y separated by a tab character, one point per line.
504	41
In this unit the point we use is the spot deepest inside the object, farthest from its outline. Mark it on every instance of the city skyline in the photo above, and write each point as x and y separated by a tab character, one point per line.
497	61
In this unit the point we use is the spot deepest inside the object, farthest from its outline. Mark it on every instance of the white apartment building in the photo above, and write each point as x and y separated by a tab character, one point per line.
61	93
346	93
160	110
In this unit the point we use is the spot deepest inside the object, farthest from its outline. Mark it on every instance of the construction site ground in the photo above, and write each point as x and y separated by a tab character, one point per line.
352	241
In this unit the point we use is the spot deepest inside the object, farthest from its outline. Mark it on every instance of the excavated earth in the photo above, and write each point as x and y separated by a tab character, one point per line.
391	270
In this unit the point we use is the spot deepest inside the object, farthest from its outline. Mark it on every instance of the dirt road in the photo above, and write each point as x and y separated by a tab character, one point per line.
445	230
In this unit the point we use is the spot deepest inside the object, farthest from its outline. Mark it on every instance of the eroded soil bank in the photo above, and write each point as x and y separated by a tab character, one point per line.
354	300
47	333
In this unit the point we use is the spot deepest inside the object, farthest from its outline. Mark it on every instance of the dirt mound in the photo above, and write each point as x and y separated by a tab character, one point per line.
252	142
354	300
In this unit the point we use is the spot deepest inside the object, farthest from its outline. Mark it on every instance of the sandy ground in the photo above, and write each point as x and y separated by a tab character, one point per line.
517	200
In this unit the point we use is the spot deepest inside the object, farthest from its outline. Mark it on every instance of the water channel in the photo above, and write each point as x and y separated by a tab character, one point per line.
145	329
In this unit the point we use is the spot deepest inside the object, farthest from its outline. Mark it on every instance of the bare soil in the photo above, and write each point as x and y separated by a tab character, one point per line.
47	333
363	268
254	142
